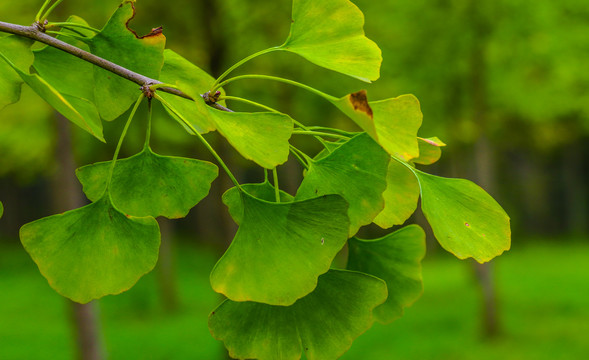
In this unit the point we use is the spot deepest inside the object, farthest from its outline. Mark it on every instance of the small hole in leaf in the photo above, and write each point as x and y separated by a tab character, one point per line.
467	224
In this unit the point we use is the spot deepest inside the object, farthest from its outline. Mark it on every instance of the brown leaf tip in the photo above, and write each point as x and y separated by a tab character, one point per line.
359	101
154	31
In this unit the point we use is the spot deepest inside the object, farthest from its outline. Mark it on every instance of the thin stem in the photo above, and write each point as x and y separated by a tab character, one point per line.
32	32
116	155
217	85
305	159
318	133
247	101
265	176
65	25
276	187
61	33
48	12
347	134
299	158
148	132
203	140
41	10
279	79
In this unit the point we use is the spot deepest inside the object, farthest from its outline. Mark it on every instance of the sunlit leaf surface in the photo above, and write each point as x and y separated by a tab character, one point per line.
400	197
323	324
261	137
395	258
330	33
280	248
93	251
466	220
357	171
148	184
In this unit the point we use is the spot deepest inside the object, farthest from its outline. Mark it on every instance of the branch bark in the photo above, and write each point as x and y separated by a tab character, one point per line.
35	32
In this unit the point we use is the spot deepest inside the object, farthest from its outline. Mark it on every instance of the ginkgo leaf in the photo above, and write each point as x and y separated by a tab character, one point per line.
17	50
193	81
80	111
400	197
330	34
323	324
357	171
261	137
92	251
148	184
67	74
393	123
255	267
395	258
466	220
429	151
264	191
116	42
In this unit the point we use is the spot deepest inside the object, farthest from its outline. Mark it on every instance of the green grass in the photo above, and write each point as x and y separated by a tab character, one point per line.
544	312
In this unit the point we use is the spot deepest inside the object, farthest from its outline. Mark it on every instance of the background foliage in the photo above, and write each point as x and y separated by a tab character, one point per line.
502	82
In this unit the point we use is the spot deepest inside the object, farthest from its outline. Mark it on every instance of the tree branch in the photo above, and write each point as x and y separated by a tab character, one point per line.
35	32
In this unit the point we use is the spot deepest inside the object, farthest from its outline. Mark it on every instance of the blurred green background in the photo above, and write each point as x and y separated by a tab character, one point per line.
504	83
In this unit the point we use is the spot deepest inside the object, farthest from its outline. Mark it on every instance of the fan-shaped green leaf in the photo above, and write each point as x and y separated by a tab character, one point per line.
393	123
395	258
93	251
121	45
264	191
79	111
261	137
429	151
330	33
17	50
400	196
357	171
280	248
466	220
323	324
148	184
193	81
66	73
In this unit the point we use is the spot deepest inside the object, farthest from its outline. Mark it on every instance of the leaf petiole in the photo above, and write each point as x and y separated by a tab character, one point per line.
50	10
123	134
67	25
276	186
217	83
318	133
41	10
303	158
279	79
61	33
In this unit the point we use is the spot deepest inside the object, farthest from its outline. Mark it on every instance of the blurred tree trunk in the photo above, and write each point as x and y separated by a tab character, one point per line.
483	153
67	195
166	274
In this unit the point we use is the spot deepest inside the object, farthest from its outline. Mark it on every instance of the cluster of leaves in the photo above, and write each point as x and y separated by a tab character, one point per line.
283	297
